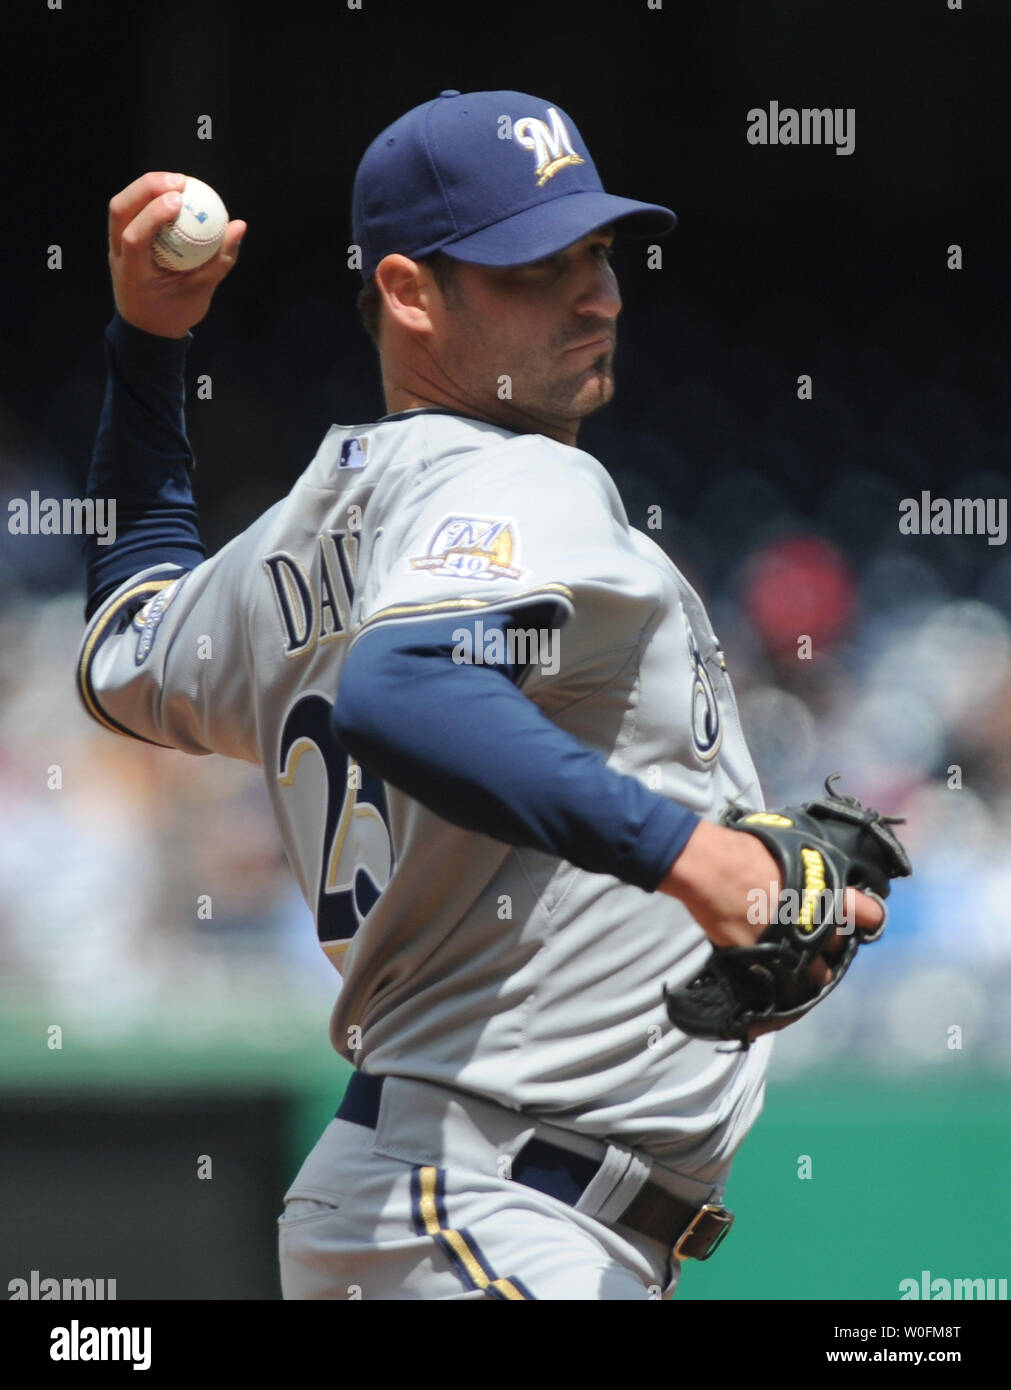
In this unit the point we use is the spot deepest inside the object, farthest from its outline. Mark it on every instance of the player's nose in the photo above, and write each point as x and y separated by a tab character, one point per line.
597	293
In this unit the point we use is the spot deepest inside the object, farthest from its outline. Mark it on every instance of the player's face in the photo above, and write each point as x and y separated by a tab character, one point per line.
534	344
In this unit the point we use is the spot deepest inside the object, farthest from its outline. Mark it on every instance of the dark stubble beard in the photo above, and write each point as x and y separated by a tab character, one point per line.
575	396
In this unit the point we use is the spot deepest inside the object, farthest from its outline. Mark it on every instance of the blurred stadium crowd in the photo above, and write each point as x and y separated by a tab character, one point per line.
907	693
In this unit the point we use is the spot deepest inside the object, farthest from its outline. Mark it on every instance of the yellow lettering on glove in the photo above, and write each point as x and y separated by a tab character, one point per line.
814	886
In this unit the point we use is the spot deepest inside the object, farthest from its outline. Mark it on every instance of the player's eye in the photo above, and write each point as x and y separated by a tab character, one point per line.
605	252
548	264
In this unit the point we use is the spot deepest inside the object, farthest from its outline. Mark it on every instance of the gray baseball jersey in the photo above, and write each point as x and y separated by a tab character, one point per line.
502	971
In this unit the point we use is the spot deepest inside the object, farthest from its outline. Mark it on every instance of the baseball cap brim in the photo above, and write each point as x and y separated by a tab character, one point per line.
545	228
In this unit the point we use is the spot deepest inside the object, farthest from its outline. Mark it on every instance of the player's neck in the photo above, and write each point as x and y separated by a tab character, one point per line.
400	398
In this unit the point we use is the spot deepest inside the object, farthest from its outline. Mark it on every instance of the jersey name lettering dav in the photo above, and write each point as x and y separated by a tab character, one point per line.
314	605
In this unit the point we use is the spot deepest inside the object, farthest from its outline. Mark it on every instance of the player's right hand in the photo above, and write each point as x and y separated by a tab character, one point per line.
715	876
167	303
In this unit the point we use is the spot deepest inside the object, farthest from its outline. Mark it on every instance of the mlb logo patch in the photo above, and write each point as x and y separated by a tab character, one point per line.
471	547
353	453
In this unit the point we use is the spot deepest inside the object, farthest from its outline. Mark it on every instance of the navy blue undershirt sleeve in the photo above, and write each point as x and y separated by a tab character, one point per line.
466	742
142	460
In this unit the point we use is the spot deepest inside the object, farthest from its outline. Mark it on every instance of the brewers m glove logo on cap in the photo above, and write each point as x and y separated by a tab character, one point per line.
456	191
552	144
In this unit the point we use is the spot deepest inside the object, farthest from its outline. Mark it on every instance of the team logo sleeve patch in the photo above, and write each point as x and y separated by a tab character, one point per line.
471	547
147	620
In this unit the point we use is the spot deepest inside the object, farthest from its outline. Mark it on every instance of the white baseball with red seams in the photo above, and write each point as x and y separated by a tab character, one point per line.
198	231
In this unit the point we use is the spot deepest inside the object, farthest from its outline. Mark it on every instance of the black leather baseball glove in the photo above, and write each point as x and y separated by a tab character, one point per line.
822	847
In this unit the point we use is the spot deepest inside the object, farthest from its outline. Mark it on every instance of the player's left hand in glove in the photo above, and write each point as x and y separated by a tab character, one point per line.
824	849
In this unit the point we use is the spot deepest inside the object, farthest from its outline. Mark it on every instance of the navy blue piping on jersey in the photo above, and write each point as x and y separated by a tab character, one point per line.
434	410
465	741
142	459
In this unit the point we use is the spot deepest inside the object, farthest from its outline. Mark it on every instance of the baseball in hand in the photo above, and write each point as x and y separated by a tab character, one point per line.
198	231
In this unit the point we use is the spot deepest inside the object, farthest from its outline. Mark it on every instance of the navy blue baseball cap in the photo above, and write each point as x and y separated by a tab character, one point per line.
494	178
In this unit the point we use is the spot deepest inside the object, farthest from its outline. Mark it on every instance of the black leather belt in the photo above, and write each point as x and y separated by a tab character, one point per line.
692	1233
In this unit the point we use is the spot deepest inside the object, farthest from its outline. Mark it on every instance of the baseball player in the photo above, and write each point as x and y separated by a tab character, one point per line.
495	723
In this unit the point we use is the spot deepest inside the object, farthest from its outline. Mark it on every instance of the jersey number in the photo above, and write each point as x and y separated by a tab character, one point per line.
357	849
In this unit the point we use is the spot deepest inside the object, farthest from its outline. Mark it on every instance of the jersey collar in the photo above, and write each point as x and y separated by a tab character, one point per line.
433	410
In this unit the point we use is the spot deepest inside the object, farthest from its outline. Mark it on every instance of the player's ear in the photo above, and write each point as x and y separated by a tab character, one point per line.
406	289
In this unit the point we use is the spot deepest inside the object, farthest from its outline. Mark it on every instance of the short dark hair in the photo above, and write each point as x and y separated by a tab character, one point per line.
369	300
